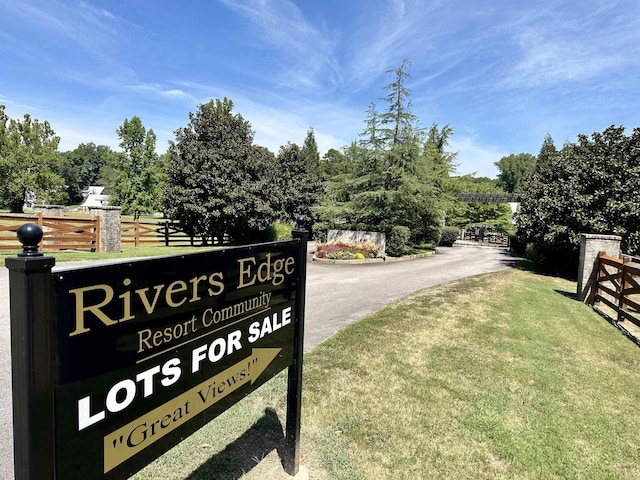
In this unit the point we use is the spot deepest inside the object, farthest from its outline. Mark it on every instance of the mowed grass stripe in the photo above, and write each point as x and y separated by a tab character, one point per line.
498	376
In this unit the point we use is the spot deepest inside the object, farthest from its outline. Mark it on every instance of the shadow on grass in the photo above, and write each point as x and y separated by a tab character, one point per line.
522	263
615	323
569	295
243	454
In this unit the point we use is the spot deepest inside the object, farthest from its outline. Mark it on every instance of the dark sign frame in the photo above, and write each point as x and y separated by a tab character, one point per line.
115	364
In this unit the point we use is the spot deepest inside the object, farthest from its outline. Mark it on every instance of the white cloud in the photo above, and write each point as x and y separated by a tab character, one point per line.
90	27
557	44
156	89
302	49
475	158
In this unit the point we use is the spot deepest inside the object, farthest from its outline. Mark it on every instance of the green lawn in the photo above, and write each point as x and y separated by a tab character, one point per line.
128	251
501	376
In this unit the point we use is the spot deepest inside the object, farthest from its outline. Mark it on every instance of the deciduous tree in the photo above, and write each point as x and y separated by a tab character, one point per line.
134	176
218	181
515	170
587	187
29	162
82	167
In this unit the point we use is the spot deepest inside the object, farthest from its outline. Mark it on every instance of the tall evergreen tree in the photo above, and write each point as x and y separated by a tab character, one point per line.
310	148
398	176
299	176
399	124
372	136
547	152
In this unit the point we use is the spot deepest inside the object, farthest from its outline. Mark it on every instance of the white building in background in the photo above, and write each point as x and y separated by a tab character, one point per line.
94	197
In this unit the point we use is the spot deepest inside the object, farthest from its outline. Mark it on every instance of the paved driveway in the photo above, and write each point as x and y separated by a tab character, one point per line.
337	295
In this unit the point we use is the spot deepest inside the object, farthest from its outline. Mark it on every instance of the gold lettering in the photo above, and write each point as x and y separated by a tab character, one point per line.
81	308
175	287
142	293
262	275
289	263
213	281
147	333
126	299
246	271
194	287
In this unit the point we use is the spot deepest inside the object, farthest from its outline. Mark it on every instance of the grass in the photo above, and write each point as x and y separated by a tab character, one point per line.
501	376
127	251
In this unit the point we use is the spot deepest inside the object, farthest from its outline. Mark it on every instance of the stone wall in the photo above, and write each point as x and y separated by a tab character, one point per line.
56	210
357	236
590	246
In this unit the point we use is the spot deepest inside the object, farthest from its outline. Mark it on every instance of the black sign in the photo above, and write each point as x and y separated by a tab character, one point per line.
149	351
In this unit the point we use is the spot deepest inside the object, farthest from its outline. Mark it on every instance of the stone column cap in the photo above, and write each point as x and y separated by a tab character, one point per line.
599	236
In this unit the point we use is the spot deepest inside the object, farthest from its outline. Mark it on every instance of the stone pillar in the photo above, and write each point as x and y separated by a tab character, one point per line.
109	227
56	210
590	246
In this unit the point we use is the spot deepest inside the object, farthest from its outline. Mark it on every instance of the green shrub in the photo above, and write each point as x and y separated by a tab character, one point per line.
531	253
319	232
278	231
398	241
517	245
448	236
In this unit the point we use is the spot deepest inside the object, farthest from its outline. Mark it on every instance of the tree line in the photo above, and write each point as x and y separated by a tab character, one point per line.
397	176
589	186
215	181
212	178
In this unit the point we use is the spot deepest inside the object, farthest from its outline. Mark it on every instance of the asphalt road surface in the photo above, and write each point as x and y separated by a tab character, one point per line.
337	295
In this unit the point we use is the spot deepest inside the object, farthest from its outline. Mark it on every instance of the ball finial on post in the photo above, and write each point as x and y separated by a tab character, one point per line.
29	235
300	222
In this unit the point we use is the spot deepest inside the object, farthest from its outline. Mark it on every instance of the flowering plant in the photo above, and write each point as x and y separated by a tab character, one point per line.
348	251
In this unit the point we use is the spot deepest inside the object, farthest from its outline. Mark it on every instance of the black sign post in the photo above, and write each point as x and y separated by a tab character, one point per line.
294	390
32	358
115	364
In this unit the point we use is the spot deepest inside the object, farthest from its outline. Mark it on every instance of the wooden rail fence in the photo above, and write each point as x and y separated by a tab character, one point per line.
143	232
618	287
65	233
60	233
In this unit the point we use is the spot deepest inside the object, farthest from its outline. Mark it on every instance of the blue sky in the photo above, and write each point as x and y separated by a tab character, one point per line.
502	73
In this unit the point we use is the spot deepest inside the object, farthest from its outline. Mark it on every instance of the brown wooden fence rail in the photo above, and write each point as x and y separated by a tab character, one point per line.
60	233
143	232
618	287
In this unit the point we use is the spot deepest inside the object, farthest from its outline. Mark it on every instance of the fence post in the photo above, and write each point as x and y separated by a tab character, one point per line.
98	235
166	233
31	353
623	278
294	388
